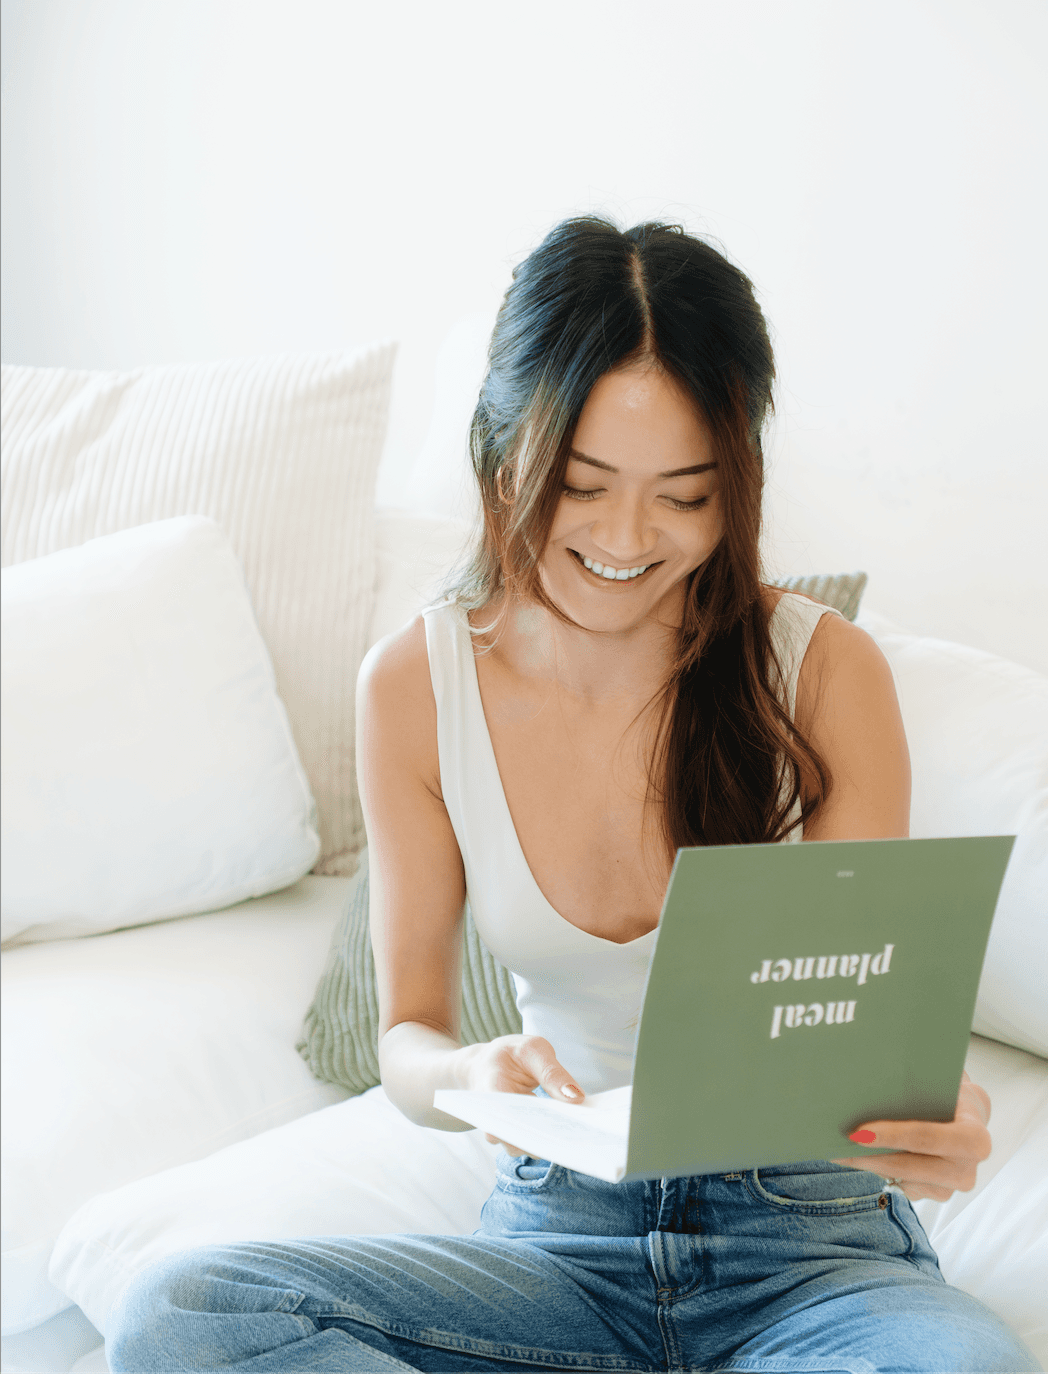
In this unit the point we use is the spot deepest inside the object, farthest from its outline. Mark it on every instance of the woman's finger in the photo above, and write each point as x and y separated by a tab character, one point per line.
918	1175
539	1058
966	1138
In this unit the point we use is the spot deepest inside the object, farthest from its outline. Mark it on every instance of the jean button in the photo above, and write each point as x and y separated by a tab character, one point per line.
882	1201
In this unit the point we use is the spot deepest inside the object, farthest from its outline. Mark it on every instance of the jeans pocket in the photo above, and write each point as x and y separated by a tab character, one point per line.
523	1173
818	1188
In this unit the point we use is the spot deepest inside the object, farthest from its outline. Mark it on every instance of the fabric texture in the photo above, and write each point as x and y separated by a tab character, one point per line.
280	452
361	1168
977	727
802	1267
842	591
132	1052
149	769
340	1034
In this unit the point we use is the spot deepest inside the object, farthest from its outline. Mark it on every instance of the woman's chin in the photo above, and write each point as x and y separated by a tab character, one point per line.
605	614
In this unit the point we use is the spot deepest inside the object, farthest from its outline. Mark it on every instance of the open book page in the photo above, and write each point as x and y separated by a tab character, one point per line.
589	1136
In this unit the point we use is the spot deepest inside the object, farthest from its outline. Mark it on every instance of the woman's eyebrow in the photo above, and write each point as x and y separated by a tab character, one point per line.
673	472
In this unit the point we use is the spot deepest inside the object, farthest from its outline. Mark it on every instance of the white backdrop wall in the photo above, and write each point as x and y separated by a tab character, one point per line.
186	179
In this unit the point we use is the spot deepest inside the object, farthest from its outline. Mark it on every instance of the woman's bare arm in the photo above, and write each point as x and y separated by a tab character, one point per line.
417	883
418	893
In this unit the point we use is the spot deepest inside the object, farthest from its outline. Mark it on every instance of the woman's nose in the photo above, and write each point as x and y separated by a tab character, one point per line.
622	529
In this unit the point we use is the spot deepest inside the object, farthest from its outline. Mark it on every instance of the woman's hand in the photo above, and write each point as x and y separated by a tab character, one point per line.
518	1064
934	1159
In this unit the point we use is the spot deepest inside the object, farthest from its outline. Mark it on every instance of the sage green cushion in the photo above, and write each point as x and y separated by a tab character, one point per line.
842	591
340	1034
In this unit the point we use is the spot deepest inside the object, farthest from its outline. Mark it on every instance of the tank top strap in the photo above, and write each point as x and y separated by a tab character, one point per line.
470	783
792	625
452	671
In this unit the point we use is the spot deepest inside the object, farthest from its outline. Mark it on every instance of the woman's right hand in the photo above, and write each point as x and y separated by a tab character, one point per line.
518	1064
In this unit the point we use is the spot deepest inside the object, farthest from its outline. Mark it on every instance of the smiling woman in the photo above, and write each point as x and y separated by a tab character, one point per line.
620	422
610	680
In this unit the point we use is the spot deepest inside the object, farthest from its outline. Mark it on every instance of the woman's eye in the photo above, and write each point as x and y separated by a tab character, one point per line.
687	505
591	493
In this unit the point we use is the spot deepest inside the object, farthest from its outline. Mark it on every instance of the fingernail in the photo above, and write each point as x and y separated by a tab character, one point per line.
863	1137
569	1090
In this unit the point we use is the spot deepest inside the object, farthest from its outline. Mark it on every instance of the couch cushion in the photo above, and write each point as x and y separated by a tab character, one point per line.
282	453
414	553
149	769
993	1241
134	1051
977	728
358	1168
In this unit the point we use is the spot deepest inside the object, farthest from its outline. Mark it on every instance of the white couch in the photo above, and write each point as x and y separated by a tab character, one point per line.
153	1096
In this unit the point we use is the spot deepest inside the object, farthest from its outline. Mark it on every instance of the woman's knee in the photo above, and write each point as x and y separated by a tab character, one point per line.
152	1319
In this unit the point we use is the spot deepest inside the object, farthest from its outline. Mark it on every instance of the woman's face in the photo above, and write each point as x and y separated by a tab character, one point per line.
641	505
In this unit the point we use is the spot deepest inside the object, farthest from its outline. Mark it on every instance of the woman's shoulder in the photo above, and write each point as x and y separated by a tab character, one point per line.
831	649
395	705
826	626
398	662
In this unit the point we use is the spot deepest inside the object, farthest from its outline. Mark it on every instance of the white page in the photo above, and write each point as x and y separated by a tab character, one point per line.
589	1136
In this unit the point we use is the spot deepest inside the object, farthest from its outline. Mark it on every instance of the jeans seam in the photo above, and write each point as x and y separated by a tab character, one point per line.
290	1303
468	1345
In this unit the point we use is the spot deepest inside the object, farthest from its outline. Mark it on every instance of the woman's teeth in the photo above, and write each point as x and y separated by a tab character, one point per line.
615	574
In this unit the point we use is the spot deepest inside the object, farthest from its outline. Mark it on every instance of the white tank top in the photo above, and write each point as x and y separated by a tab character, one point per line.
581	992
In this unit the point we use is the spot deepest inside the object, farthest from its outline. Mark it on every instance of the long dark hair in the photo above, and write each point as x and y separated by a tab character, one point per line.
729	766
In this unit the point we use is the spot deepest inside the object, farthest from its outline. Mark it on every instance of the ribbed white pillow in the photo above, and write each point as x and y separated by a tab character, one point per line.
148	767
282	453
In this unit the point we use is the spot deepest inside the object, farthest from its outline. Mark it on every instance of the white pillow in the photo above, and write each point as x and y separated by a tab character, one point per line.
414	552
282	453
143	1049
149	769
359	1168
977	727
362	1169
993	1241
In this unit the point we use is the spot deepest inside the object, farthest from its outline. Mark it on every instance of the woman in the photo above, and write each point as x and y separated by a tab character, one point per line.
609	681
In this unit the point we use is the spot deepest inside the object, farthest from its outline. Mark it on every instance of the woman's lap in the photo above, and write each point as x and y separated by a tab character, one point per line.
766	1273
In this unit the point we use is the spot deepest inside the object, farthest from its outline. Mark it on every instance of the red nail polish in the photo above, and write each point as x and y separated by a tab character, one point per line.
863	1137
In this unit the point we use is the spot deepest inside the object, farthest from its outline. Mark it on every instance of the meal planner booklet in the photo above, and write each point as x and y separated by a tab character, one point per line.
794	992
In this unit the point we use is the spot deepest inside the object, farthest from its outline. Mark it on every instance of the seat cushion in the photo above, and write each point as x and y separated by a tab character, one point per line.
127	1053
993	1241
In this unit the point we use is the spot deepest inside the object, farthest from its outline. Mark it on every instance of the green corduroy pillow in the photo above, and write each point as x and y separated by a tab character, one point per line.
340	1033
842	591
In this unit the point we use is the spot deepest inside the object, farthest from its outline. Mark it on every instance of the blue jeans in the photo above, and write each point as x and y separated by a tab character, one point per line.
805	1267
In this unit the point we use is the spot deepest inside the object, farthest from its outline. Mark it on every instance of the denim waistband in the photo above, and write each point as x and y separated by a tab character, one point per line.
532	1195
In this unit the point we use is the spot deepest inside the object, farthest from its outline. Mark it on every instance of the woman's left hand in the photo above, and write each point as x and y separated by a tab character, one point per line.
933	1159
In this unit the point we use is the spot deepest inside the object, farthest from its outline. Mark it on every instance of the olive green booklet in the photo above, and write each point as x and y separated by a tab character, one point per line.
794	992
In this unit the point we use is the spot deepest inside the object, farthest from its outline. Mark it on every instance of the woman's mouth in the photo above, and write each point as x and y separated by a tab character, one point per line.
607	572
